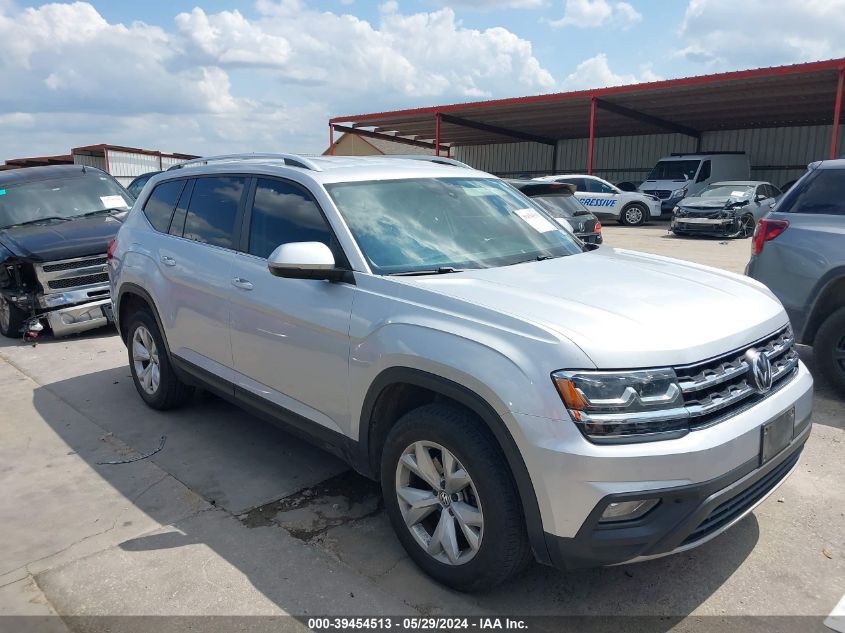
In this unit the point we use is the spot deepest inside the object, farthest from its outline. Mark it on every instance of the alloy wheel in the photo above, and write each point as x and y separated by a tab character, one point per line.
145	360
839	354
633	215
746	228
439	503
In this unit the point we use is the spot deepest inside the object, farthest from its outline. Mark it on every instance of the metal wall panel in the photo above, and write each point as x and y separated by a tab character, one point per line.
131	164
168	161
90	161
777	154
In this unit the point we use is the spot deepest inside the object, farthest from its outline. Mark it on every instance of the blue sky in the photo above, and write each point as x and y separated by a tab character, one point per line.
264	75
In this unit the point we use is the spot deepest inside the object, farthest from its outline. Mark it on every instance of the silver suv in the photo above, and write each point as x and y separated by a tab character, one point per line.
502	380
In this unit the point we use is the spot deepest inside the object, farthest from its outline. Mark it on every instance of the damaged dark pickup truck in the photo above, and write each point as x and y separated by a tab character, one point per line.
55	226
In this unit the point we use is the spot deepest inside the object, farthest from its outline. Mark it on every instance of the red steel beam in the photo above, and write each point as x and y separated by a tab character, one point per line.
437	120
592	136
739	75
837	114
331	140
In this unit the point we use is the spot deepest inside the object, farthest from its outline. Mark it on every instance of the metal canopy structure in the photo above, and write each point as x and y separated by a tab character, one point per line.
795	95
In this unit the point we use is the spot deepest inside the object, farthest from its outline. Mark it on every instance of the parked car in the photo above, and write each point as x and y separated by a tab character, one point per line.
725	209
559	201
798	251
138	183
502	380
55	225
679	175
604	199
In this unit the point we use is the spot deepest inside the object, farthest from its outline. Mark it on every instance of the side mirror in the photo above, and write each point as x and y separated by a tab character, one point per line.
304	260
759	197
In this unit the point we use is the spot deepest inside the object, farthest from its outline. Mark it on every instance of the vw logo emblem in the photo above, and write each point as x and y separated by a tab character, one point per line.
759	370
445	499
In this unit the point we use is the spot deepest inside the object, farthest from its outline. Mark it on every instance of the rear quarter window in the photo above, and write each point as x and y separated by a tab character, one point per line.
159	206
819	194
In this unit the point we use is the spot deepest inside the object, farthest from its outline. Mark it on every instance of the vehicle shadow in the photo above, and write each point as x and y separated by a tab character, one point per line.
48	338
229	458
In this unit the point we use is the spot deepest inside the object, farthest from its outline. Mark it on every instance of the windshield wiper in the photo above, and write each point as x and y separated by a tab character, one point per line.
99	212
51	218
539	258
442	270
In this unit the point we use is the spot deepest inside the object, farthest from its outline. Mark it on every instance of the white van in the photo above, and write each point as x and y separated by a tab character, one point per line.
680	175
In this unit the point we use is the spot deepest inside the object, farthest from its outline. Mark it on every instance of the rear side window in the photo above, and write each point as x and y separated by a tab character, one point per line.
822	194
283	213
704	173
213	210
159	206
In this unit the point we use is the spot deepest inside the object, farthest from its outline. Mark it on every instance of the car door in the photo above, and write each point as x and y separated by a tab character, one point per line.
599	197
290	337
762	202
197	262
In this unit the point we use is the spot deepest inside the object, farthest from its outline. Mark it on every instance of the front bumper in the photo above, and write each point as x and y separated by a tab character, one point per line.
80	318
574	479
687	516
704	226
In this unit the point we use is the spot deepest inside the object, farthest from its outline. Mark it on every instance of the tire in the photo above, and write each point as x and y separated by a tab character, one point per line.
829	349
745	228
634	214
152	373
11	319
490	496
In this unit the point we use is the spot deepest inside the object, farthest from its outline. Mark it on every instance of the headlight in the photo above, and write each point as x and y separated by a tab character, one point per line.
626	406
678	193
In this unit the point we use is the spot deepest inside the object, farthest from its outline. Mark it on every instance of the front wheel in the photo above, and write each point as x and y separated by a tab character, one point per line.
156	382
635	214
451	499
829	349
745	227
11	319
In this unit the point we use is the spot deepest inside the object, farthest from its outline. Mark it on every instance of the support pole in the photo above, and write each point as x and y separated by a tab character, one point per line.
331	140
837	114
437	120
592	136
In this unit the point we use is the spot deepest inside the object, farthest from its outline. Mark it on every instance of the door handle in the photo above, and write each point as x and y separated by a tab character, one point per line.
243	284
168	261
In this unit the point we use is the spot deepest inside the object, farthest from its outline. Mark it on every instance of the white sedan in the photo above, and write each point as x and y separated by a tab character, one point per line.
602	198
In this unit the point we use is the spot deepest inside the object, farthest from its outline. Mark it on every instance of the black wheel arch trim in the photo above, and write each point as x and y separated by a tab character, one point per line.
813	319
130	288
486	412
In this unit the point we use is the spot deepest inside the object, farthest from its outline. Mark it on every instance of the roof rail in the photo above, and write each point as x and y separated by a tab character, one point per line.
440	160
293	160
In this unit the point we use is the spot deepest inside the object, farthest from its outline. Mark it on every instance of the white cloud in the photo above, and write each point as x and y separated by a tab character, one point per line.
726	34
485	5
219	82
593	13
595	72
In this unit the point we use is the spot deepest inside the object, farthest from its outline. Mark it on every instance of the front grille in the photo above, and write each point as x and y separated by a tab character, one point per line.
73	282
663	194
728	510
712	215
81	273
719	388
72	264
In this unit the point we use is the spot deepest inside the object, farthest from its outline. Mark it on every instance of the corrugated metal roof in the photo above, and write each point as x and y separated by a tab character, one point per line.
794	95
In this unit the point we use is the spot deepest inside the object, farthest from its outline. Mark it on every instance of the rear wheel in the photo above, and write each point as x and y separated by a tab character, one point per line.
451	499
11	319
634	214
829	349
156	382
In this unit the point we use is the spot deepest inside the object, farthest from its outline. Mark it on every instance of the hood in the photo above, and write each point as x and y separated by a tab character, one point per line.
622	308
62	240
707	204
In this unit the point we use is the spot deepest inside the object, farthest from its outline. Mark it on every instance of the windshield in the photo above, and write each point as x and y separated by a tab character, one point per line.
442	223
739	192
674	170
561	206
60	198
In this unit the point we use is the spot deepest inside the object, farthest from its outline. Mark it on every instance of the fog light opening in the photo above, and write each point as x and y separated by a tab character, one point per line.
628	510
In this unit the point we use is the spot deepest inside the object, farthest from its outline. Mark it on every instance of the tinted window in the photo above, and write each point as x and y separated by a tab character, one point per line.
674	170
160	204
597	186
213	210
283	213
561	206
177	224
823	193
578	182
704	173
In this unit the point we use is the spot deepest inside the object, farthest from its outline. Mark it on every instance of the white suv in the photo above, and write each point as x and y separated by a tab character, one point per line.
433	327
